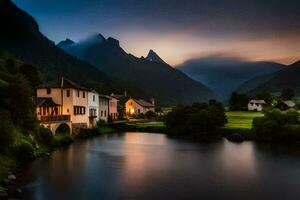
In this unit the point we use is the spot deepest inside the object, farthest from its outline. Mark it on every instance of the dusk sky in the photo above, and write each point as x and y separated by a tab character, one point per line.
179	30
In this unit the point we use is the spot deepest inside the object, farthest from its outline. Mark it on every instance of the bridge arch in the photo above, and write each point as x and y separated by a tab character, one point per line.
62	128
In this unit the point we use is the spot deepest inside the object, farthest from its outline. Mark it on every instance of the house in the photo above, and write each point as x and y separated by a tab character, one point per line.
103	107
135	107
256	105
93	106
113	108
285	105
62	103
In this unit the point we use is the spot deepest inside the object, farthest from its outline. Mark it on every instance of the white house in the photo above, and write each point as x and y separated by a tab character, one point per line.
62	103
103	107
93	106
256	105
135	107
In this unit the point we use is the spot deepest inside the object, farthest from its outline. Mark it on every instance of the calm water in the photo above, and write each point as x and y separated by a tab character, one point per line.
152	166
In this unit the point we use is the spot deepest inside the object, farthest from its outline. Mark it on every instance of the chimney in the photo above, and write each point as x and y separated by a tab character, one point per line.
152	100
125	93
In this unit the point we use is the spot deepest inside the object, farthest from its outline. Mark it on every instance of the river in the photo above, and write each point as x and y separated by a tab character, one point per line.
153	166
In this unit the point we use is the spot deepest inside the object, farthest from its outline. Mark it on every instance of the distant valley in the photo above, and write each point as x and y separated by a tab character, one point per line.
224	75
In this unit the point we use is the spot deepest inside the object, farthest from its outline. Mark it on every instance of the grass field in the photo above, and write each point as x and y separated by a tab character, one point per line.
236	120
241	120
147	124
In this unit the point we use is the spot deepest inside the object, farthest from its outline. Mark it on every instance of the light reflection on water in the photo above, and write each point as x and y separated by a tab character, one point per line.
152	166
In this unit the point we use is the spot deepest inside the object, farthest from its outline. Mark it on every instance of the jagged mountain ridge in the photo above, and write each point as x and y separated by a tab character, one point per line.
166	84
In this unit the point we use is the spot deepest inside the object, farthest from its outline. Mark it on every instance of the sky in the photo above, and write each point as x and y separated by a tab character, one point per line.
179	30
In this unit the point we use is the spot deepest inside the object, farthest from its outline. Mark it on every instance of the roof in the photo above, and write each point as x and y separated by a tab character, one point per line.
61	83
257	101
143	103
118	96
289	103
104	96
45	102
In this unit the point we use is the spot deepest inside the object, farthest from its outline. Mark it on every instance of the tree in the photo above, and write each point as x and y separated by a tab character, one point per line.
277	125
32	74
199	120
267	96
238	101
6	130
287	94
21	104
11	66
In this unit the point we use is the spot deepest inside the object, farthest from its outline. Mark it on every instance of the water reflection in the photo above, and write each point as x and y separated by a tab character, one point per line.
152	166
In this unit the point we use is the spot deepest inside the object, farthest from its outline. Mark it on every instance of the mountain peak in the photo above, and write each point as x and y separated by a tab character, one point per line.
65	42
152	56
113	42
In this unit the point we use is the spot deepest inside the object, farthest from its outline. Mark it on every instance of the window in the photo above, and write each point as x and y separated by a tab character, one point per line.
101	113
139	111
105	113
94	98
78	92
79	110
83	94
68	93
93	112
48	90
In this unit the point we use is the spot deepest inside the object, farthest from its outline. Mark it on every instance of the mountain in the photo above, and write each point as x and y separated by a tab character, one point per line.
248	86
65	43
152	56
224	75
20	35
287	78
152	74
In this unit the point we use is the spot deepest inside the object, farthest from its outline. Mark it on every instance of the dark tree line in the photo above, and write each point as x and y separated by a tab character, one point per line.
199	120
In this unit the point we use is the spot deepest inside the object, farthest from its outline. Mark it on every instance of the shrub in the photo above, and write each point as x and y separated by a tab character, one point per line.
24	151
150	114
277	126
61	140
6	131
44	136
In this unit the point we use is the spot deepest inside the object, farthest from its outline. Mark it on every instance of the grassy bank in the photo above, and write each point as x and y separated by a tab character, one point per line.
28	148
151	127
241	119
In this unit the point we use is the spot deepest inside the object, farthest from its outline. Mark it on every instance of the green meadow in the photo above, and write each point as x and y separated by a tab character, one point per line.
241	119
146	124
236	120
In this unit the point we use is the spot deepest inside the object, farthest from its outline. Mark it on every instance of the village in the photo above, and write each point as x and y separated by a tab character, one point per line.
64	106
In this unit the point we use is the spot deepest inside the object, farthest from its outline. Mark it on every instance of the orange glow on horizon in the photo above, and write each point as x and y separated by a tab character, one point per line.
176	48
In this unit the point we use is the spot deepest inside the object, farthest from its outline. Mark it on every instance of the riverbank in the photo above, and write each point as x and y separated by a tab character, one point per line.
11	167
147	126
